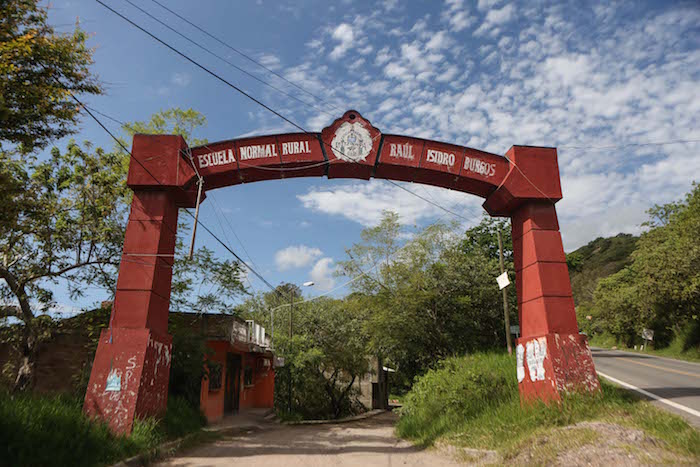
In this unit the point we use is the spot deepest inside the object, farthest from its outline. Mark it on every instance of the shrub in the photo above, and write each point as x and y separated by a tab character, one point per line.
474	401
459	388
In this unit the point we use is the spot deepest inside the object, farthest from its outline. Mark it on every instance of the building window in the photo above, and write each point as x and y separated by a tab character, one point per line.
248	377
214	376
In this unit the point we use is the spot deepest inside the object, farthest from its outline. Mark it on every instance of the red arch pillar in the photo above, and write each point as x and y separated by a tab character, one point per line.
134	353
552	356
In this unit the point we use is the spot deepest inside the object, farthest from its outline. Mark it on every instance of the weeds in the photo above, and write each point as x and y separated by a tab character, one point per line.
474	402
52	430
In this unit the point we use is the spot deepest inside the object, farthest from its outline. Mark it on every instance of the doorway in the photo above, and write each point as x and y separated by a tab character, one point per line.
232	391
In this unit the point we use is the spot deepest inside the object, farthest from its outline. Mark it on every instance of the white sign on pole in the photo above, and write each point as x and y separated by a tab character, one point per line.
515	329
503	280
648	334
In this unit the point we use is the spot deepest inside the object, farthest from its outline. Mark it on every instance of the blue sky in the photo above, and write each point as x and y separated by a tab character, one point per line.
593	79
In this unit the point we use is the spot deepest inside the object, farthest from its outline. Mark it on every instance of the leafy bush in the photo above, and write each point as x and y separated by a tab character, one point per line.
188	366
459	388
181	418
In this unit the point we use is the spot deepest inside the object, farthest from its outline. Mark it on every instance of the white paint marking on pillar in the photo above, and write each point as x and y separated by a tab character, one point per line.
519	354
540	354
531	361
653	396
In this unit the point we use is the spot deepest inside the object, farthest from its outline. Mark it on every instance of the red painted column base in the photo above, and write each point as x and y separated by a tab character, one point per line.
139	359
553	364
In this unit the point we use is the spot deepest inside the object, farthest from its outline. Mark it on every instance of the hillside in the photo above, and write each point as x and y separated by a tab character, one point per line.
598	259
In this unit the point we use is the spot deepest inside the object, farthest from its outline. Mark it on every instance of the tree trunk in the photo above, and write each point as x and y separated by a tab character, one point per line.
25	374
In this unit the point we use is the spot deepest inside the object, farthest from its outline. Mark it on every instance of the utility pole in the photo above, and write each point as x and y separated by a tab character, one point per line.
505	297
291	319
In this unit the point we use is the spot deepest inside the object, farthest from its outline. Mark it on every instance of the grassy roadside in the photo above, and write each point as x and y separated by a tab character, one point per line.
674	350
473	402
52	430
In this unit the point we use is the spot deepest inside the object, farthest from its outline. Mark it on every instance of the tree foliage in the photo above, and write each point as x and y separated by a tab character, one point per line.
327	353
64	217
660	289
431	298
38	69
59	217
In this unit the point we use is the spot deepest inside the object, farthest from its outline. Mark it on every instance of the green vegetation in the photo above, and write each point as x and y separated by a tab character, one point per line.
326	355
42	430
37	69
676	349
474	402
64	216
412	304
598	259
658	288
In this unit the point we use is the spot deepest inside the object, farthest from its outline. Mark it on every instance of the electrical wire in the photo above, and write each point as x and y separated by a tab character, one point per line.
257	101
247	57
653	143
112	135
225	60
202	67
258	275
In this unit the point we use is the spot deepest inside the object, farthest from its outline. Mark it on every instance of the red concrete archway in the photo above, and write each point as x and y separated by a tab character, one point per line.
552	355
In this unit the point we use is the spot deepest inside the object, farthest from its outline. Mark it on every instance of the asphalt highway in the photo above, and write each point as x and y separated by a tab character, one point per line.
673	385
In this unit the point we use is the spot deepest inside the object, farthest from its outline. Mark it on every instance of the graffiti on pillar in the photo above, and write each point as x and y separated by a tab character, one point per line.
535	353
114	381
519	354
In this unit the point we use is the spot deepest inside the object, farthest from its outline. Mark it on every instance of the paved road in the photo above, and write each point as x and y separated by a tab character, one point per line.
672	384
362	443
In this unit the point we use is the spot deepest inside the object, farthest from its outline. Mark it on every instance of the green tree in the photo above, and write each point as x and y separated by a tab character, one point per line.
38	69
64	217
660	289
325	356
429	298
175	121
61	217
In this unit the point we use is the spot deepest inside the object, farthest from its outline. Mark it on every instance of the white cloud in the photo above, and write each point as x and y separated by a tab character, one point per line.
296	257
181	79
322	274
495	18
365	202
484	5
344	34
456	15
271	61
546	79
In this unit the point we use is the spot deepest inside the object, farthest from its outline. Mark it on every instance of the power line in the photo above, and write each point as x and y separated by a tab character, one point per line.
112	135
236	88
258	275
652	143
221	242
202	67
202	30
224	60
105	115
216	205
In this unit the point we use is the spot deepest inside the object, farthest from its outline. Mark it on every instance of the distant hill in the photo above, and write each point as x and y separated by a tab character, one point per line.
600	258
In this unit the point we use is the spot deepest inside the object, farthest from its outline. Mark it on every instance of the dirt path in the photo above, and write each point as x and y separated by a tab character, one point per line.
363	443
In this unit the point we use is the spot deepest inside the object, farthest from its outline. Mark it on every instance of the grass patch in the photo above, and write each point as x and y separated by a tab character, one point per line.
474	402
52	430
676	349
